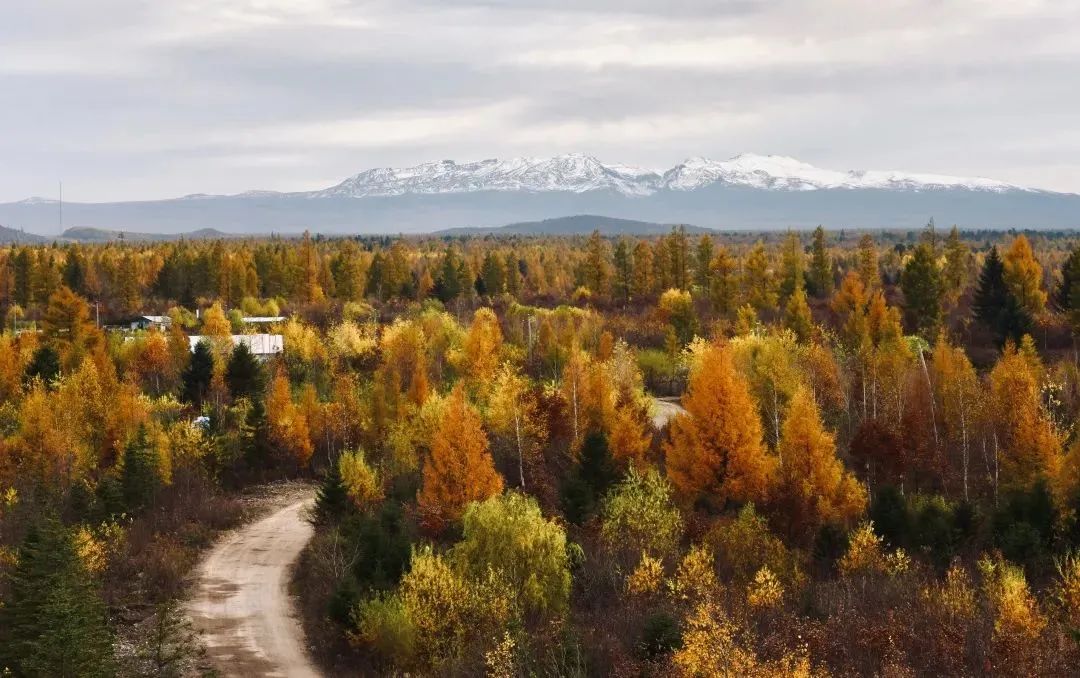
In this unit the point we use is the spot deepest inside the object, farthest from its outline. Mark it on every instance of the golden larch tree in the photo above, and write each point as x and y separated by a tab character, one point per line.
814	488
459	469
1023	274
715	451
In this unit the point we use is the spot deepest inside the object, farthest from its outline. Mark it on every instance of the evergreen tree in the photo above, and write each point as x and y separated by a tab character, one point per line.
597	468
820	275
448	285
171	645
332	498
257	448
995	306
921	283
140	479
493	274
54	623
244	375
199	373
44	365
1067	295
703	264
624	271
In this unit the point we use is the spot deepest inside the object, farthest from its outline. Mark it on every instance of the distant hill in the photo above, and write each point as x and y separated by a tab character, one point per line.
580	224
92	235
11	235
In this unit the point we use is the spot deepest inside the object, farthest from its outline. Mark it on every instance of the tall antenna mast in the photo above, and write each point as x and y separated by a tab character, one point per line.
61	207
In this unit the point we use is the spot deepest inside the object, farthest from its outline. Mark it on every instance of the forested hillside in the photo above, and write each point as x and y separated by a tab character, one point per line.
875	469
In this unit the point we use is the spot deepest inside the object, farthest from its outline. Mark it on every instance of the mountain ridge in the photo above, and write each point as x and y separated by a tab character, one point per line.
749	191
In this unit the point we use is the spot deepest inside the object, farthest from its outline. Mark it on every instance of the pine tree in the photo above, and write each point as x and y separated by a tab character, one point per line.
921	283
199	373
820	275
995	305
54	623
140	479
244	375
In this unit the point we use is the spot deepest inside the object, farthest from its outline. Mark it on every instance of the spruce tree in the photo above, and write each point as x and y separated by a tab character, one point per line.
54	623
332	498
256	434
1067	295
244	374
922	286
820	274
198	374
995	306
44	365
140	479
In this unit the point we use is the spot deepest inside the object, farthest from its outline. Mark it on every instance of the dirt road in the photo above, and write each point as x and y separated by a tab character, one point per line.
664	411
241	601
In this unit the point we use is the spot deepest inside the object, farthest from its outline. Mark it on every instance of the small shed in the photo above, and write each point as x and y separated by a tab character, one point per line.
262	346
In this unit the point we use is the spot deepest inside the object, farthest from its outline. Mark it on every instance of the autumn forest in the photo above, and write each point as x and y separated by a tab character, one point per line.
753	454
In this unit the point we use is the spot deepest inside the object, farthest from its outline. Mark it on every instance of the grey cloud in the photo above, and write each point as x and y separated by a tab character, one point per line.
130	99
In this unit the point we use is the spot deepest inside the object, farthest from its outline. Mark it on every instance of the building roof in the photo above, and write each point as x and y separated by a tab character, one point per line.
258	344
263	319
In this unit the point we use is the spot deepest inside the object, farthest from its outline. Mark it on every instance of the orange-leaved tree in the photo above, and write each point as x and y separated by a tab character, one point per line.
289	430
716	451
459	469
814	488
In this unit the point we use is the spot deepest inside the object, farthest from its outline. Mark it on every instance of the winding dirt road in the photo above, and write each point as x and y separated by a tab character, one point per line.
241	602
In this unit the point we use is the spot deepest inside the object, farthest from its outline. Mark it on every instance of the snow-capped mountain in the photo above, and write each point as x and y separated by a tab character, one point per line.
777	172
744	192
581	173
575	173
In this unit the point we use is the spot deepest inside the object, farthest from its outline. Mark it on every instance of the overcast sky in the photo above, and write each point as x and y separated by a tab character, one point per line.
136	99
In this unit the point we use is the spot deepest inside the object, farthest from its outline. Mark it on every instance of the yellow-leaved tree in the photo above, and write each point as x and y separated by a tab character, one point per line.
459	469
715	452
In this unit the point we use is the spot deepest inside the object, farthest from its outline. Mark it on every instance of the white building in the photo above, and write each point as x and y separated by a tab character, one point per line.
261	345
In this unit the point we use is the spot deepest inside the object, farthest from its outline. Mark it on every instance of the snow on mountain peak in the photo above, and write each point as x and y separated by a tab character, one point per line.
574	172
579	173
